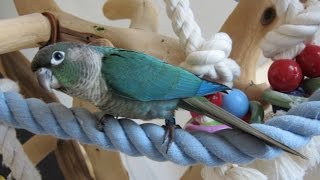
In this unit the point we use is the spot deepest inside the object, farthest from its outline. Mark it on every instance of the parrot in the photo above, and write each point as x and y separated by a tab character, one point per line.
131	84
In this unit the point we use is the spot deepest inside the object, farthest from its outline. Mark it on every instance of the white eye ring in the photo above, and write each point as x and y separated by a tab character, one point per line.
57	57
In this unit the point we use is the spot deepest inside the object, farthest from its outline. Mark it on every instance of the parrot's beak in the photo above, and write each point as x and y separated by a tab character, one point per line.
46	79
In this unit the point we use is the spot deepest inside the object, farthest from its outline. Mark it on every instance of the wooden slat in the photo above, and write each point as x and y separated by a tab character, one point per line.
106	165
44	146
193	173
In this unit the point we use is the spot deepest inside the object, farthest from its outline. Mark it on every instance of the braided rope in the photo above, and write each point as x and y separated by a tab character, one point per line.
227	146
207	58
14	157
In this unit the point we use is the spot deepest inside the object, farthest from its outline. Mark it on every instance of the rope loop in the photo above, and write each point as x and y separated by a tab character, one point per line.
205	58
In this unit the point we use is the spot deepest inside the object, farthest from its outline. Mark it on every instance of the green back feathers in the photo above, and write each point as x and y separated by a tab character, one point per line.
142	77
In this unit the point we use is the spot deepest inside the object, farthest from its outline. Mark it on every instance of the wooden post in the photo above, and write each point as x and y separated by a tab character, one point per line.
45	144
73	167
247	32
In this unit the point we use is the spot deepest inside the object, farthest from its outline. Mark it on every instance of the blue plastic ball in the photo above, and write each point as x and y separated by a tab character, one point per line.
236	102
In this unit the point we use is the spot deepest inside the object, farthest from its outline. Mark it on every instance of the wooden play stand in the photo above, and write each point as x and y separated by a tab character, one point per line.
32	28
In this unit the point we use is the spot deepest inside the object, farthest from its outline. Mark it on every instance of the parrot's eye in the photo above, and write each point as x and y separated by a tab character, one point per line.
57	57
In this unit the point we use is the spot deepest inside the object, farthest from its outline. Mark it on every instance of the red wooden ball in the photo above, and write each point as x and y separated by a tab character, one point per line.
285	75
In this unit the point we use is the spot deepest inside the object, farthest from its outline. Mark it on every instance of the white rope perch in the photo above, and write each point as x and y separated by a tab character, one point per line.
12	151
204	58
299	25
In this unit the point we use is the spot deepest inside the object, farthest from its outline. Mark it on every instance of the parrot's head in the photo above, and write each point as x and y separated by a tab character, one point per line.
66	66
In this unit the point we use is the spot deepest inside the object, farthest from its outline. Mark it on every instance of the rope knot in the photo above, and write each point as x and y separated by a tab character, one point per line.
299	24
211	60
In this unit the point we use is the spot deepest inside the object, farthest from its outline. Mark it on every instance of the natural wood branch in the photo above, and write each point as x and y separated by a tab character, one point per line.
246	31
192	173
23	32
142	13
73	167
157	45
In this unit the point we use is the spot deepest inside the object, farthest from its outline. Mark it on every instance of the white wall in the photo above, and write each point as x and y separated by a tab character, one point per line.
210	14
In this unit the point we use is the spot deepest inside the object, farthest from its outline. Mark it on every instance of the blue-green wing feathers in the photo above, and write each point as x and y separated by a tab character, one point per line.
145	78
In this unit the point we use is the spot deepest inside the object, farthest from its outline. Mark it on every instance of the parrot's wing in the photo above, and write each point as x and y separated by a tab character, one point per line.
145	78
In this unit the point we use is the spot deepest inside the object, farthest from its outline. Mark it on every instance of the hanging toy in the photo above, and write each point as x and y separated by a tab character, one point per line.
294	79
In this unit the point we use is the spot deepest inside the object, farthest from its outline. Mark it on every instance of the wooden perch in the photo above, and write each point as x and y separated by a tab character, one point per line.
23	32
142	13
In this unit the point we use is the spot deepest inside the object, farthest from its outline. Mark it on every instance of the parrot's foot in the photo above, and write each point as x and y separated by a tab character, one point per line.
169	128
102	120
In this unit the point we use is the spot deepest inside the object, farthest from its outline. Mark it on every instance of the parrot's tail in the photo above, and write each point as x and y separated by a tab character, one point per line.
202	106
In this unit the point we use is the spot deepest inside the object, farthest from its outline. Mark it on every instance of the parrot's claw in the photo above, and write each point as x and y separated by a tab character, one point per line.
169	134
102	120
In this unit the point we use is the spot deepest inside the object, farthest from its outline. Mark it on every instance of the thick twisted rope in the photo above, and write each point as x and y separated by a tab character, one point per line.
204	58
227	146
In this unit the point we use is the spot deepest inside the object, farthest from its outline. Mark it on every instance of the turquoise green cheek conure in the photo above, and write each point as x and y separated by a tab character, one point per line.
130	84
